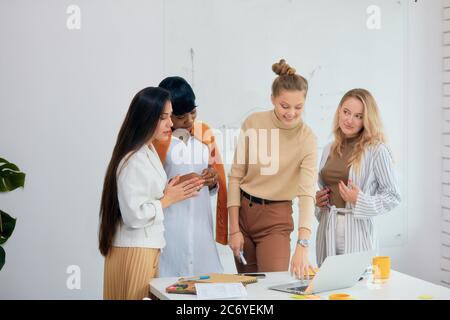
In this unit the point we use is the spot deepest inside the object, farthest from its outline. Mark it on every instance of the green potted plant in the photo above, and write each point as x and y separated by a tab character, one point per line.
11	178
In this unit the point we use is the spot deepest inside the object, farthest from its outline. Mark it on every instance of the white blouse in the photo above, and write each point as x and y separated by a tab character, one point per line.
191	248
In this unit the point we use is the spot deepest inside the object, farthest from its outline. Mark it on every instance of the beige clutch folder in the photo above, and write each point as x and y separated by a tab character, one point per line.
228	278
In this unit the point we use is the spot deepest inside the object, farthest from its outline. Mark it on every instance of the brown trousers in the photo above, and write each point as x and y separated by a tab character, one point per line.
266	229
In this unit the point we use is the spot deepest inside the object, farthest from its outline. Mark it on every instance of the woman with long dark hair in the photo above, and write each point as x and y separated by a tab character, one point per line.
135	192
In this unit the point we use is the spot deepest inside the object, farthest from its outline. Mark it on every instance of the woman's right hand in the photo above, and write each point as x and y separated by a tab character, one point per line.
236	243
176	192
322	197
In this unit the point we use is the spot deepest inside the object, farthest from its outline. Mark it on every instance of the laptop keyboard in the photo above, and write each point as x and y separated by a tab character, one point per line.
298	289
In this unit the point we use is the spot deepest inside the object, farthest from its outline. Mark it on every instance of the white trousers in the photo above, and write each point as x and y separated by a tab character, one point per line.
340	234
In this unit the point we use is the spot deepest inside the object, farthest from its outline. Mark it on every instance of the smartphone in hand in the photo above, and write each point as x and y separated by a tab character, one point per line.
188	176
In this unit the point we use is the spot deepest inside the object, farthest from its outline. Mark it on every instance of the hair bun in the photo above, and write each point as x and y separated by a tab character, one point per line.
282	68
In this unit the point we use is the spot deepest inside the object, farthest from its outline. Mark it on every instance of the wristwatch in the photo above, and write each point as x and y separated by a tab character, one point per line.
303	242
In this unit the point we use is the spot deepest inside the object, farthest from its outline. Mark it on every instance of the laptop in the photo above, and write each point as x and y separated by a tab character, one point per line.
336	272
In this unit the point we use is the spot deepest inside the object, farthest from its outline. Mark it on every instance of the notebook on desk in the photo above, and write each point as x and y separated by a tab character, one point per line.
187	285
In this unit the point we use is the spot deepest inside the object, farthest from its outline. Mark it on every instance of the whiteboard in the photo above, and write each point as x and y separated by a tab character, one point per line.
225	49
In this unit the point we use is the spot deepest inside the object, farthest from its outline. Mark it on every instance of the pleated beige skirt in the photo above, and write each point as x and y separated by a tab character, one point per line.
128	272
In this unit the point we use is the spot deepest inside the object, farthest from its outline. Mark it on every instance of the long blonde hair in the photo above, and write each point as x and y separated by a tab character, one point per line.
372	132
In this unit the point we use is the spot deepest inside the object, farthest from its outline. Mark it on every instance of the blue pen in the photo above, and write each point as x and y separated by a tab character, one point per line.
241	255
195	278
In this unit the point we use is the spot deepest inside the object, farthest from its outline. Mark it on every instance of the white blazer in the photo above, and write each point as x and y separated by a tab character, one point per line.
140	186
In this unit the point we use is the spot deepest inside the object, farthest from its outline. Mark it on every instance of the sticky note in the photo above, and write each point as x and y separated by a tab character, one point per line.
312	297
305	297
340	296
425	297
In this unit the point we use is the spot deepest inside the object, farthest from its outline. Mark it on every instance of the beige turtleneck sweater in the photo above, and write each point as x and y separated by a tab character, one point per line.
258	171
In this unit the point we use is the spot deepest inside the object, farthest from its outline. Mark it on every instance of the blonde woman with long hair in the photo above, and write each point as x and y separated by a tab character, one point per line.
357	179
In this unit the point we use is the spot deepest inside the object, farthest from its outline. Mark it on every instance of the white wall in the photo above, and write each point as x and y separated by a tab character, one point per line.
421	256
55	127
63	96
445	236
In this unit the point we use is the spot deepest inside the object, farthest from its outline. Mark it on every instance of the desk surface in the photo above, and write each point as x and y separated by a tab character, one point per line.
399	286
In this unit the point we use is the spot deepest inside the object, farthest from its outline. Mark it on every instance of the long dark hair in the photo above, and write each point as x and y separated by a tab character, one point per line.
137	129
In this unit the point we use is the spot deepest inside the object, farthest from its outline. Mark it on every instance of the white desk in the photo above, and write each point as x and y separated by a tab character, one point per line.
399	287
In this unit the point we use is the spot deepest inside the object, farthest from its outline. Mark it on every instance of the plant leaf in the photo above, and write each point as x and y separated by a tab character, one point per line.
13	181
8	224
2	257
8	165
10	176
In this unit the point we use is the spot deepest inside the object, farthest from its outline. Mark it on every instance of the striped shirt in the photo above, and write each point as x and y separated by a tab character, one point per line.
378	194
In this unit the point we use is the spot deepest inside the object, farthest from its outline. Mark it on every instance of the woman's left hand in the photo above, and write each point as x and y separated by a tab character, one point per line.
349	193
300	263
210	176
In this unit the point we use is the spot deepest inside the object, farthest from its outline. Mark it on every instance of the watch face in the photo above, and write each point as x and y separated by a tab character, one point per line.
303	242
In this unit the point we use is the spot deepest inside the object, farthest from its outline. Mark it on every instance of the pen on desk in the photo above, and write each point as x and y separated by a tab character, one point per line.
194	278
241	255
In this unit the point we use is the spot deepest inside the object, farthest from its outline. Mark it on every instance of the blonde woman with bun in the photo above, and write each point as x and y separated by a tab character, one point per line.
357	179
260	194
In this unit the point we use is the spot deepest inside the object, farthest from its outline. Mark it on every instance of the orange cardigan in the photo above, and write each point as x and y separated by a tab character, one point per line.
202	132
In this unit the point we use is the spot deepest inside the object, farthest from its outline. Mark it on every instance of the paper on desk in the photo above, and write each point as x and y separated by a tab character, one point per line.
220	290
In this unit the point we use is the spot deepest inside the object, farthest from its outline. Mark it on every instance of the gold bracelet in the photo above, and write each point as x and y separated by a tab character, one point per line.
230	234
